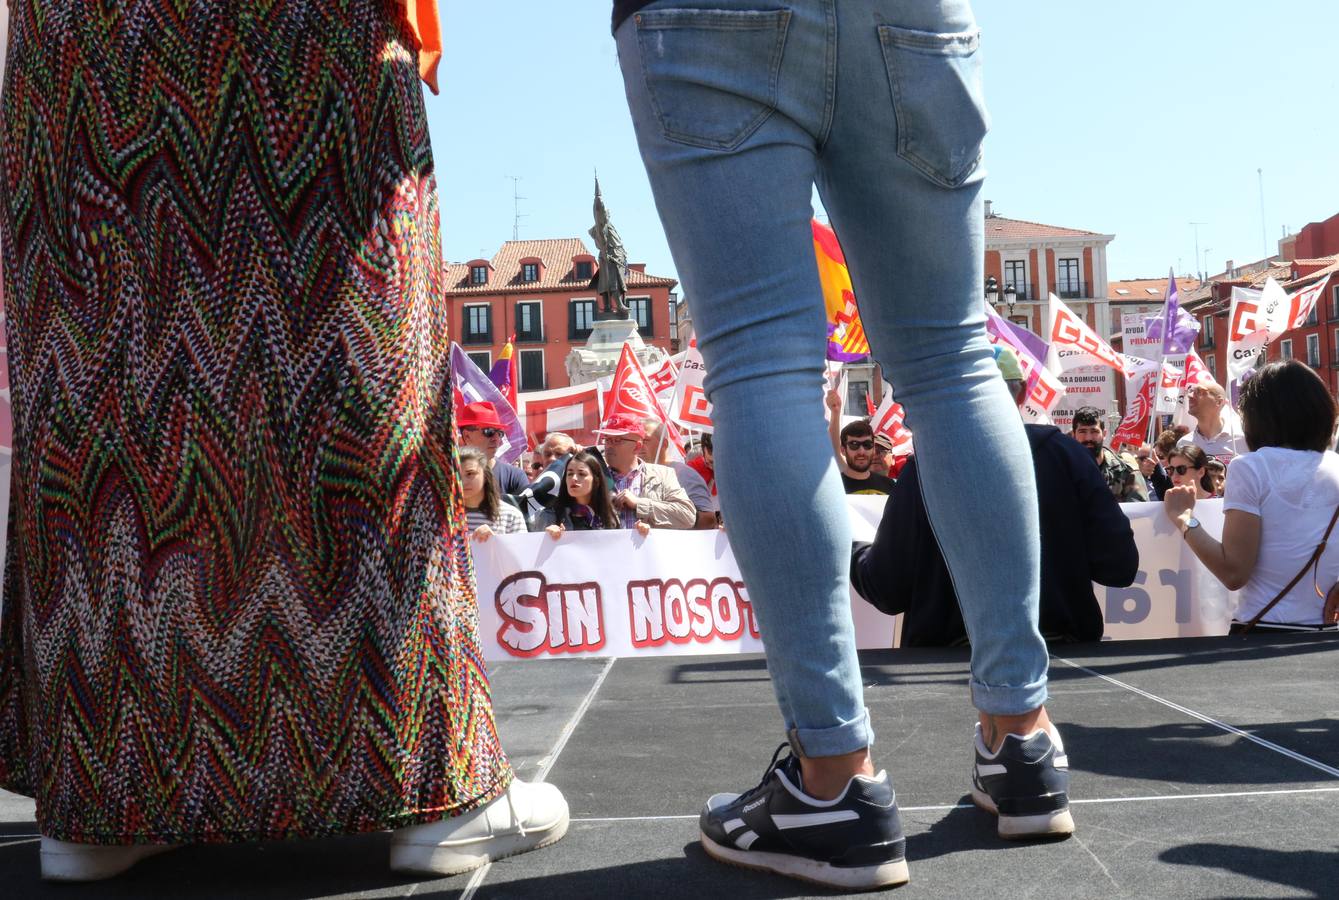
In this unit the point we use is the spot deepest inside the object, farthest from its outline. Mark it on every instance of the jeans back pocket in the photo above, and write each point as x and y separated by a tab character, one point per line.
941	114
711	75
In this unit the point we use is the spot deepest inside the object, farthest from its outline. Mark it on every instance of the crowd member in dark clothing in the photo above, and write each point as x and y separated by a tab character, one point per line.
855	449
583	502
1150	466
1084	538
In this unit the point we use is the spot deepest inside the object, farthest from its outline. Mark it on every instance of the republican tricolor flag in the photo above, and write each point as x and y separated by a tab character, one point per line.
503	373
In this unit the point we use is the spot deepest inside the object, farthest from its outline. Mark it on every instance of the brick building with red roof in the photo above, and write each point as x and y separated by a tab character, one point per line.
541	292
1032	260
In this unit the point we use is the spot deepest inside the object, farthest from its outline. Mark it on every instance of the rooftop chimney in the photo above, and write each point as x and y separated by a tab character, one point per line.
989	212
1231	272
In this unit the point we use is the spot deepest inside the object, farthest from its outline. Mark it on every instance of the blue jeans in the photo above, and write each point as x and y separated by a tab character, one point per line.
740	108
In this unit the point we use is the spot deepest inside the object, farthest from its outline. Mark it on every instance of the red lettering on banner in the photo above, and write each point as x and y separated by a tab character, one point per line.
538	617
676	612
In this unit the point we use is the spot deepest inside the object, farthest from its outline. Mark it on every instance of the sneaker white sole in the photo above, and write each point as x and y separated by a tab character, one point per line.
866	878
66	861
452	859
1016	828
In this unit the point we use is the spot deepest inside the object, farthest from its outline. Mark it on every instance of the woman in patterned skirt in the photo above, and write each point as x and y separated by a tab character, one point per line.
238	598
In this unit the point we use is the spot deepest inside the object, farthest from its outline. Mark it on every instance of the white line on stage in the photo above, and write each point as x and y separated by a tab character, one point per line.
1209	720
595	820
549	761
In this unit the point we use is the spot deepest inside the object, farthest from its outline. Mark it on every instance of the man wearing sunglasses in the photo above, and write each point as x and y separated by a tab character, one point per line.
481	428
858	451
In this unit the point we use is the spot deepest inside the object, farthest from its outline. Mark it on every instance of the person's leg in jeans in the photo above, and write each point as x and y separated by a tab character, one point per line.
733	186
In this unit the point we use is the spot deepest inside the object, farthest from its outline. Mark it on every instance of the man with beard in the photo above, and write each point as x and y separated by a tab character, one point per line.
1121	477
856	452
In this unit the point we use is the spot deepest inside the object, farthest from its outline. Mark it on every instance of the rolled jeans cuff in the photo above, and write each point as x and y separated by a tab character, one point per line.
834	741
1008	700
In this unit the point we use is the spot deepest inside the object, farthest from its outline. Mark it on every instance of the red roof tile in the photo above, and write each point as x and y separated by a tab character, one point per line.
1147	290
557	272
1000	227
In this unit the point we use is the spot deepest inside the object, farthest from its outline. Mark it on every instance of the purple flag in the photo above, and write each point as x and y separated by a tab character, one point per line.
1175	327
471	385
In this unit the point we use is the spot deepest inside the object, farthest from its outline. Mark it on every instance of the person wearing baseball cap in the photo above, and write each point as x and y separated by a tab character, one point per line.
643	491
481	428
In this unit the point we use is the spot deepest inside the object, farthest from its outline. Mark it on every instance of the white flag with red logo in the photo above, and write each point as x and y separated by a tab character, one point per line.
1170	383
1140	388
633	394
690	406
1069	333
888	420
664	378
1258	317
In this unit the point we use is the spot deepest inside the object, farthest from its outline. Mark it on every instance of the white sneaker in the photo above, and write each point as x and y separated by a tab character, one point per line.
67	861
527	817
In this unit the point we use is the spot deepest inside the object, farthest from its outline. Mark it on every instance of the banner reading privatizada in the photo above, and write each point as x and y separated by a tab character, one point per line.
615	593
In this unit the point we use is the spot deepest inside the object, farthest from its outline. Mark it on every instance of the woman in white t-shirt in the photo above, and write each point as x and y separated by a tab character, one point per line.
1280	500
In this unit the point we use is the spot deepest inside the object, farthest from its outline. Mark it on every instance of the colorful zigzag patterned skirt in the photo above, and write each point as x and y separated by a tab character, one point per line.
238	601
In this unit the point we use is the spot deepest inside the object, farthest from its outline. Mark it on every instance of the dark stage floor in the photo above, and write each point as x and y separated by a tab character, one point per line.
1201	768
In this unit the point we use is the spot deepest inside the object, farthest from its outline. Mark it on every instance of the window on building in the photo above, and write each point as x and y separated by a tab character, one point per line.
856	392
530	272
640	308
478	324
1334	305
1020	320
1314	317
529	321
1015	276
584	270
478	274
1286	349
482	358
580	319
1212	362
1067	284
1334	357
1313	350
1206	331
530	370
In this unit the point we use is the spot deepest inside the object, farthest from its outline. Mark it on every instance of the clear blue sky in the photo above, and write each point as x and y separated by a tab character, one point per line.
1131	119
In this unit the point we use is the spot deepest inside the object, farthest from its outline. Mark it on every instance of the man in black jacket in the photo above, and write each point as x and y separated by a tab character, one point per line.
1084	538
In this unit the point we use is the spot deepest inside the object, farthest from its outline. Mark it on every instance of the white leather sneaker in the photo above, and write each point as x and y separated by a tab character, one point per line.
67	861
527	817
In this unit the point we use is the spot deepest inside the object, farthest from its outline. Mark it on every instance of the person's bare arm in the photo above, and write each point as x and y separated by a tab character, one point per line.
1231	560
834	402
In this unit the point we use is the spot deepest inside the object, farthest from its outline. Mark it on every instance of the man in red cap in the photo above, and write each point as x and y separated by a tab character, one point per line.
643	491
481	428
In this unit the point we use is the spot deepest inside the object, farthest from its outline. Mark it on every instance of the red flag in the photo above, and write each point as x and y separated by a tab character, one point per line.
633	394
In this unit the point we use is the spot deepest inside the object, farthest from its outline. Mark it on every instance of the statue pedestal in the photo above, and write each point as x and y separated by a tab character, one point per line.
599	358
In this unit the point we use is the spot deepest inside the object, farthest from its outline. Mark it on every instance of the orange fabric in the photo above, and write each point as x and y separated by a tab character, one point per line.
423	18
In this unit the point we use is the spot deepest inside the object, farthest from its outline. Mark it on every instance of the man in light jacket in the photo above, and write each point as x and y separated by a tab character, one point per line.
643	491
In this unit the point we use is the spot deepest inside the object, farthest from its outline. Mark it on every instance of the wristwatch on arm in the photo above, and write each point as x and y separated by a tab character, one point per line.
1190	523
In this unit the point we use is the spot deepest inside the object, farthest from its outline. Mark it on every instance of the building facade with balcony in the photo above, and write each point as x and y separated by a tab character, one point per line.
1030	260
541	291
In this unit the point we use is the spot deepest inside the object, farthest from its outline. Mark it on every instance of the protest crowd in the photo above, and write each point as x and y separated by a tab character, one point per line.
251	467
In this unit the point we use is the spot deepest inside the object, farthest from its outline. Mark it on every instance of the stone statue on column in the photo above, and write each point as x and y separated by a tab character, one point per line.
610	281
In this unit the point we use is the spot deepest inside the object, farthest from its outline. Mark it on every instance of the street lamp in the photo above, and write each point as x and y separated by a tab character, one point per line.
992	291
1010	296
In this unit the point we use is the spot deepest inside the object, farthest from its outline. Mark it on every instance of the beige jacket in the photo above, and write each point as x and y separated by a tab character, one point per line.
663	502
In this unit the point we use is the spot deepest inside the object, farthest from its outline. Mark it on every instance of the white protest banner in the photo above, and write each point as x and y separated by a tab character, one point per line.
615	593
572	410
889	420
1173	595
689	406
1067	330
1084	384
1170	378
1135	342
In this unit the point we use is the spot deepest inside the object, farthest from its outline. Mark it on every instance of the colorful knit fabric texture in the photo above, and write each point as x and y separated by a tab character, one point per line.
238	598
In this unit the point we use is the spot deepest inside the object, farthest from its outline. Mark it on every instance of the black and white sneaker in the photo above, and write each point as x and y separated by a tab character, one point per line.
853	842
1026	784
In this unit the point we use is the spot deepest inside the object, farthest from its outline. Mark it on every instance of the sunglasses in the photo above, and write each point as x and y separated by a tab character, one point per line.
489	433
859	445
1180	470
